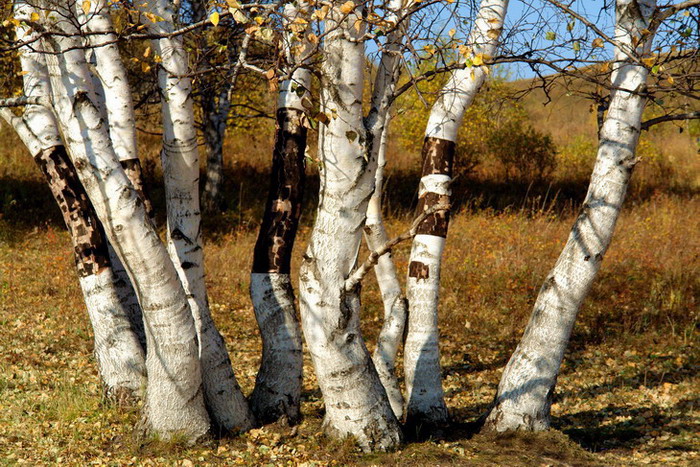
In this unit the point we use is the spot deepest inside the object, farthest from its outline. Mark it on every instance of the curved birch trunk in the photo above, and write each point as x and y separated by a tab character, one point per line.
278	384
526	389
356	402
425	397
174	403
376	124
180	159
115	101
119	354
395	304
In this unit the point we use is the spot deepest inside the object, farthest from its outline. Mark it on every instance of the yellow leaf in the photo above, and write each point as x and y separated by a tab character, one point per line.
86	6
649	61
347	7
147	52
598	42
259	19
35	16
670	79
269	74
478	59
145	67
214	18
605	67
493	33
452	32
313	38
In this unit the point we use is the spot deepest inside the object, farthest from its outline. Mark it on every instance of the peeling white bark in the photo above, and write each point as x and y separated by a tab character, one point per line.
278	384
180	159
425	398
525	392
174	402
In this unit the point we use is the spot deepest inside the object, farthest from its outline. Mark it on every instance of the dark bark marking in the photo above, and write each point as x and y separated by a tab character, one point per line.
87	234
438	158
132	167
273	248
418	270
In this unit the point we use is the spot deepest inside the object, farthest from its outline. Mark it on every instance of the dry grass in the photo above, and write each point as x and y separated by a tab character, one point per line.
627	394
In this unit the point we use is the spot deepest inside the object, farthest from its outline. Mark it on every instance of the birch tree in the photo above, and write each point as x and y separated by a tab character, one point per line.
527	386
356	402
174	403
118	351
180	159
278	384
425	399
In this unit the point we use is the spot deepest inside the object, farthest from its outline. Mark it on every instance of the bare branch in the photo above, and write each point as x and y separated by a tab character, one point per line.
670	118
22	101
360	272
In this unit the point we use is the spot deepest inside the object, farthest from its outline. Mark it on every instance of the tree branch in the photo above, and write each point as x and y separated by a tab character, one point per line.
360	272
670	118
22	101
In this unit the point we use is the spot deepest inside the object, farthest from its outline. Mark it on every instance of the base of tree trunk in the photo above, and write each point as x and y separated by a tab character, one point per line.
500	418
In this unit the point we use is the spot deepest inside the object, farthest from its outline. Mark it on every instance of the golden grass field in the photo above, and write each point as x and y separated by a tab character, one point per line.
628	391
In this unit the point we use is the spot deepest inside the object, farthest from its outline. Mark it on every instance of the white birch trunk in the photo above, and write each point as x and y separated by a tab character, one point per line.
277	390
180	158
525	392
174	403
120	355
115	102
356	402
395	305
425	398
376	124
112	75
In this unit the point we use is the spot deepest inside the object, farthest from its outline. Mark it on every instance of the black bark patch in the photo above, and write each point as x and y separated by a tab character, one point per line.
87	234
277	233
438	156
418	270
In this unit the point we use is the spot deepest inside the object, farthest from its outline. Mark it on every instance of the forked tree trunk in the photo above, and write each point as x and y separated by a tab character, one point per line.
180	158
425	398
527	386
119	354
174	403
278	384
356	402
